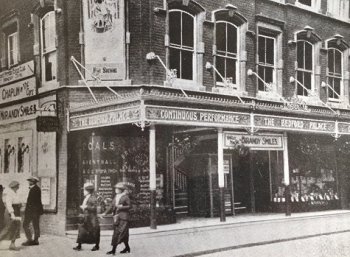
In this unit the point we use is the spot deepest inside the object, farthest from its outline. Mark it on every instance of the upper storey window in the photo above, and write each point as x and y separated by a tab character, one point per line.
48	47
227	51
267	60
338	9
10	51
182	43
305	65
313	5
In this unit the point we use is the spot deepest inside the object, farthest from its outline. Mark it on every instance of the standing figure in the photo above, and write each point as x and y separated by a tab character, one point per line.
33	210
2	209
13	206
120	208
89	230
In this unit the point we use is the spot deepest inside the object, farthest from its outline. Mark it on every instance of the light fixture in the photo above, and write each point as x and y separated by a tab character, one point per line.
231	9
338	38
308	30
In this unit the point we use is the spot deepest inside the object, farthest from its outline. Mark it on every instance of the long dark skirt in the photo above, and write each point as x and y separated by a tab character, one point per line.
120	233
89	230
13	227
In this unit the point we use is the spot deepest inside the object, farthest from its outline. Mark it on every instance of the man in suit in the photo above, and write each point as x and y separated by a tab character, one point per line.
33	210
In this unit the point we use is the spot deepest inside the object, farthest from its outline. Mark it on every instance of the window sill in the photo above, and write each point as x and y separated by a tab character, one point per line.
185	84
306	7
228	91
48	86
337	104
273	96
310	100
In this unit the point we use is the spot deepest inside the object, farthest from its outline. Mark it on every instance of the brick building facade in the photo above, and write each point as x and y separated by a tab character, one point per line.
189	102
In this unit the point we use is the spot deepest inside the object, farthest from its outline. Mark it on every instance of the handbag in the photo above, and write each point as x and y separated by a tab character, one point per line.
116	219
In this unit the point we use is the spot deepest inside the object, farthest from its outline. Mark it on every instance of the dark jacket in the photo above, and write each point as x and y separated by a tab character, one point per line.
91	205
123	211
34	205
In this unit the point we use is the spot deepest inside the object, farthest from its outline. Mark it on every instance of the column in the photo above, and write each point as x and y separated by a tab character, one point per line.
286	173
152	176
221	175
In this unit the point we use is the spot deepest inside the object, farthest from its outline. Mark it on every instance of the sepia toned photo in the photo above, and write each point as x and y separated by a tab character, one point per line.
173	128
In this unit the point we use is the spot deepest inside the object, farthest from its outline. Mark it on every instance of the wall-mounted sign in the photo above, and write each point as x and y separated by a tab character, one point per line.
18	90
17	73
47	124
295	124
232	140
197	116
104	32
19	112
107	118
344	128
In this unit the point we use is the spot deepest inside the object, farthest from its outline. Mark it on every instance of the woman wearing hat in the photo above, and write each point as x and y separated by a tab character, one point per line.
89	230
120	208
13	206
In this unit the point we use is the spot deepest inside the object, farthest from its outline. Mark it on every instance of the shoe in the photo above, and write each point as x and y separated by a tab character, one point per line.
95	248
110	252
13	247
126	250
35	242
27	243
77	248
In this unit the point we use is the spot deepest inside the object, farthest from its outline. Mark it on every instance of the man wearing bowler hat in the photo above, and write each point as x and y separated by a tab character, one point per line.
33	210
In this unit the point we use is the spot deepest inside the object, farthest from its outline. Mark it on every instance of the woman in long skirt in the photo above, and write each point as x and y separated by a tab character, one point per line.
13	206
89	230
120	208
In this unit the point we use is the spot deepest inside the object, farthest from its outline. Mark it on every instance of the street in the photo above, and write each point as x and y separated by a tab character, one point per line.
334	245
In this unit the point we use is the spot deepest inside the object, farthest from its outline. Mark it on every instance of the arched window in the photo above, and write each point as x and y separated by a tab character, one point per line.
226	51
305	66
48	47
334	73
182	43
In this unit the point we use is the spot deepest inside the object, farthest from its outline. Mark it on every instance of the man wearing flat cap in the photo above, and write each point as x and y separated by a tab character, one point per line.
33	210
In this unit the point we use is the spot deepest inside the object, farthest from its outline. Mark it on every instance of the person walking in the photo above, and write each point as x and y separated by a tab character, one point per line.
89	230
32	212
2	209
120	208
13	206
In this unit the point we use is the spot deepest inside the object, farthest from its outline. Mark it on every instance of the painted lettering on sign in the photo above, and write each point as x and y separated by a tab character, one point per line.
231	140
170	114
18	90
21	112
17	73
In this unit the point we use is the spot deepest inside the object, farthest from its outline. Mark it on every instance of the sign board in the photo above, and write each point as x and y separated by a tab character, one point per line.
295	124
19	112
47	124
19	72
18	90
107	118
255	142
104	38
196	116
45	191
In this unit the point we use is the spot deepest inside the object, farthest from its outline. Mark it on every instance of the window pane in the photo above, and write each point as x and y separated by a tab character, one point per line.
306	2
175	60
270	55
187	30
268	75
337	61
307	80
300	78
175	27
330	83
336	87
221	36
261	73
300	54
231	39
308	56
220	66
231	69
50	66
261	50
187	65
331	60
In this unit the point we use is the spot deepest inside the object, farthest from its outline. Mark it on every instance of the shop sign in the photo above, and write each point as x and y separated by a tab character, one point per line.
19	112
344	128
196	116
104	39
47	124
287	123
17	73
18	90
232	140
107	118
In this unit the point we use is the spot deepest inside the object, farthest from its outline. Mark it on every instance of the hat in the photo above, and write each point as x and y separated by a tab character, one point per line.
13	184
33	179
89	186
120	185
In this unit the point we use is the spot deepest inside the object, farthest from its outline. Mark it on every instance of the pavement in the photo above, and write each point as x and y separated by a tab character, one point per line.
197	237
